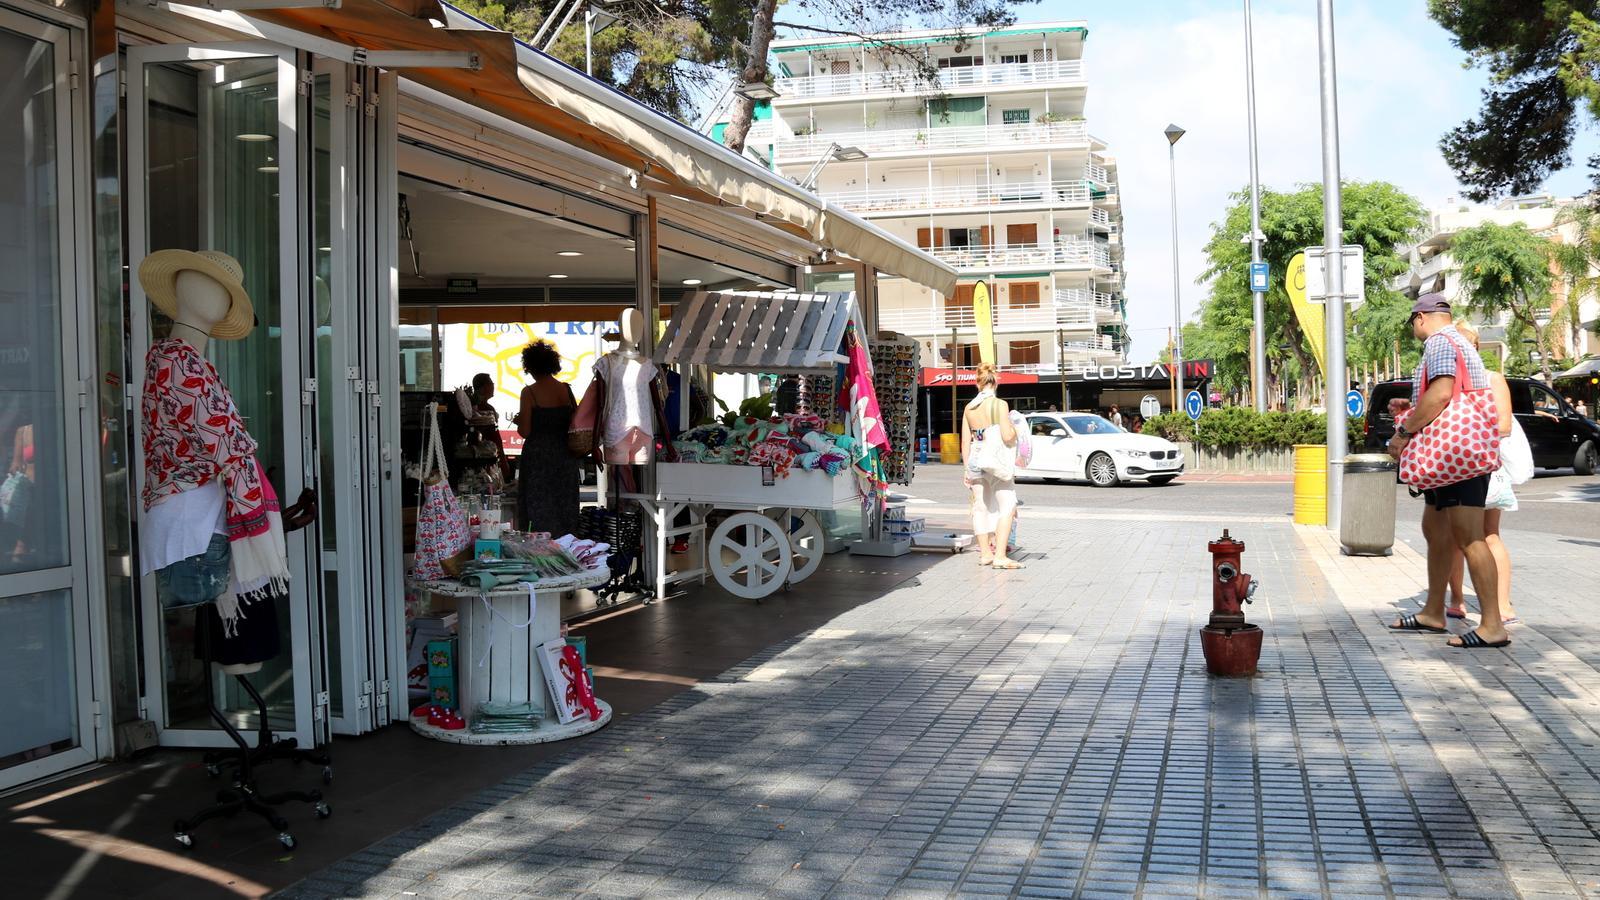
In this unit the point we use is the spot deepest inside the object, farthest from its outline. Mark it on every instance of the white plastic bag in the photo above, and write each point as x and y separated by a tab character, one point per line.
1516	457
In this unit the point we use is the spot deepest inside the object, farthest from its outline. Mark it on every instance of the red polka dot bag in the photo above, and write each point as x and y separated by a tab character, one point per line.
1462	443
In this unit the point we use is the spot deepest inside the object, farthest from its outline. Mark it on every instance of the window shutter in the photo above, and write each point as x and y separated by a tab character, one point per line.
986	241
924	238
1026	233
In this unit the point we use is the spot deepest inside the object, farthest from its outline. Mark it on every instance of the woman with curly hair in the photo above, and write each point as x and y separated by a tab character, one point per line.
547	488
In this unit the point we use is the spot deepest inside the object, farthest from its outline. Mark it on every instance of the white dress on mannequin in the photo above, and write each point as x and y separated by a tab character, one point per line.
630	412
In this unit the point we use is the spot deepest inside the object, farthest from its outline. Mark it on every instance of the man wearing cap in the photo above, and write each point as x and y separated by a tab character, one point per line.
1453	516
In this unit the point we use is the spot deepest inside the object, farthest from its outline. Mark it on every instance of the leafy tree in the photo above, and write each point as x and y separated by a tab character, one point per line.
1578	259
1377	215
1543	57
1505	273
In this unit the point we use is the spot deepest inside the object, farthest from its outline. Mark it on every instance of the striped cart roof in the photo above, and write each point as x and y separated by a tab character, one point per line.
755	332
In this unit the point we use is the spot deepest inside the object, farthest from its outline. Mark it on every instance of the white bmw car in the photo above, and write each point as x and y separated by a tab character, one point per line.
1083	446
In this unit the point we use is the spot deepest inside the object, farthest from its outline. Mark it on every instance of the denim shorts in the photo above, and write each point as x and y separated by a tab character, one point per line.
198	579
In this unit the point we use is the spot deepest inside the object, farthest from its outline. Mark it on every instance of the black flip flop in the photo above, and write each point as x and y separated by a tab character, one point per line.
1409	622
1473	641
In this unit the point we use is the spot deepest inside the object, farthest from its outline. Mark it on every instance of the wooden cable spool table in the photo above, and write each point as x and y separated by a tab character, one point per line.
499	633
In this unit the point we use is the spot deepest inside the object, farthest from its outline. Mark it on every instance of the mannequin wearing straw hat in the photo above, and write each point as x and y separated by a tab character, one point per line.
212	530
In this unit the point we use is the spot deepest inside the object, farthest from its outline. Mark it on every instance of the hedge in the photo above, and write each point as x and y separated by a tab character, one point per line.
1241	426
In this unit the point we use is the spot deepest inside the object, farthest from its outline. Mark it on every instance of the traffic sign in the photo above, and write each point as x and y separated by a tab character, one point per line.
1355	281
1194	404
1149	406
1355	403
1258	277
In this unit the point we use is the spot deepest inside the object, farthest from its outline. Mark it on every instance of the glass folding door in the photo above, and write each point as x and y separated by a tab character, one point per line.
44	611
216	140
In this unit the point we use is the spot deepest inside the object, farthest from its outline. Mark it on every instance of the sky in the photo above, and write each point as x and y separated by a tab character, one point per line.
1149	63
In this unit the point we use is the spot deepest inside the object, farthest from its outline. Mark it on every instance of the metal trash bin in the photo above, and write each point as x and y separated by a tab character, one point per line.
1366	518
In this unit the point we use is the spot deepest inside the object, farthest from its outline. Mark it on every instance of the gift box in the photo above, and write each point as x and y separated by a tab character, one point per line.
442	673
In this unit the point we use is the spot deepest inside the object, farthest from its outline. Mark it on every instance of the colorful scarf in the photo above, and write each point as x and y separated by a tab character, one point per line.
193	435
863	420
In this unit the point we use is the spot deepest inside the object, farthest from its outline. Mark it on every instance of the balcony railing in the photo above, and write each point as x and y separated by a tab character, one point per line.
1100	217
1041	193
1097	174
991	138
1007	319
903	81
1061	253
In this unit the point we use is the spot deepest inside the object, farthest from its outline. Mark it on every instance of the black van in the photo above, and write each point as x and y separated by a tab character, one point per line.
1558	435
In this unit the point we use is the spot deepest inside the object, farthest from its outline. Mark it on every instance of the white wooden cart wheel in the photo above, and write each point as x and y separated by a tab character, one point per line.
750	555
806	538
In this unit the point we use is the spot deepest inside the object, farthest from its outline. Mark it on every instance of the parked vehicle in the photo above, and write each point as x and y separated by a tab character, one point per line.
1560	438
1083	446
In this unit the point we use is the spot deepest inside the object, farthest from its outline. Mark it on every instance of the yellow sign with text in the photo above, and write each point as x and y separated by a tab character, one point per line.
983	314
1308	314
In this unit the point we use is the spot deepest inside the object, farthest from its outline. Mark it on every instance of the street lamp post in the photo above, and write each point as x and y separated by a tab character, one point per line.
1258	299
1173	133
1335	380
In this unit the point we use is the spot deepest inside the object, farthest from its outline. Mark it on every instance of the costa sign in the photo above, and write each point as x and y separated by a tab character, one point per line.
969	377
1197	368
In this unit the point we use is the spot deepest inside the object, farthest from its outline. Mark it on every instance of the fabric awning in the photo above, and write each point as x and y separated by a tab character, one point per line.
754	332
1587	367
526	86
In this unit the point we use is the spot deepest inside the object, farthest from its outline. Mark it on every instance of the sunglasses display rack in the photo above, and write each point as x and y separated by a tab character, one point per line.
817	396
894	375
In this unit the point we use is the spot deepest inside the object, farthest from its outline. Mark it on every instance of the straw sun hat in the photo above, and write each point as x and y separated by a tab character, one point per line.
158	274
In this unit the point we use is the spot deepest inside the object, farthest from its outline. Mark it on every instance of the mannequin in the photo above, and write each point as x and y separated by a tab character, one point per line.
633	415
212	531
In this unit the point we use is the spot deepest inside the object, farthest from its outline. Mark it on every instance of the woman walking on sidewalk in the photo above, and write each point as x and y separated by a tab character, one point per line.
988	459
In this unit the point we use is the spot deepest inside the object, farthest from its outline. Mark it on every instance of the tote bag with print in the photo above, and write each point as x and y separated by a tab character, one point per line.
1462	443
442	529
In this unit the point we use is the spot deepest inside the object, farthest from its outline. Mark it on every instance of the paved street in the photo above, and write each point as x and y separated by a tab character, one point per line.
1053	733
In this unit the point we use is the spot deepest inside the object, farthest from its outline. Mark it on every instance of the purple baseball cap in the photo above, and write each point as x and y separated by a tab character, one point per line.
1431	303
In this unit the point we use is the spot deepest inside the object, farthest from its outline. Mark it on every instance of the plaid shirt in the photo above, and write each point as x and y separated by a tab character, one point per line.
1439	361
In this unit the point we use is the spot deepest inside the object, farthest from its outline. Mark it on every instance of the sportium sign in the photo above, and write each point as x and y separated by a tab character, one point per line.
969	377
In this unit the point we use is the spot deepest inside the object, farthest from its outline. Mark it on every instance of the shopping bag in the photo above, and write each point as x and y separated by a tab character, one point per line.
1024	439
442	530
581	438
1516	456
1462	443
990	455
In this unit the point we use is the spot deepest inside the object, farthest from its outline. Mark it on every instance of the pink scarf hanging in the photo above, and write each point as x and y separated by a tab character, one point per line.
193	435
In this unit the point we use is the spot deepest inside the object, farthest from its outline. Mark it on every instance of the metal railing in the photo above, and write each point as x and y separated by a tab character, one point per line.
991	138
1040	193
902	81
1072	310
1100	217
1097	174
1061	253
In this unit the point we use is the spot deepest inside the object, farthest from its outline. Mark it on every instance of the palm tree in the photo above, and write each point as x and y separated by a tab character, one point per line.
1579	262
1505	271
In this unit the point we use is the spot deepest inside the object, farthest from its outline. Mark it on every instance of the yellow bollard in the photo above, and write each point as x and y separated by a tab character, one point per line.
1311	484
950	449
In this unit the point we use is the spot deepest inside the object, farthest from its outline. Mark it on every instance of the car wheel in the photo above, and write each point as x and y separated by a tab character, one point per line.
1159	480
1102	470
1587	460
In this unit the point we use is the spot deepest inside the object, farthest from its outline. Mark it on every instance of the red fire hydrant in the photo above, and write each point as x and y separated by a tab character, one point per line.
1232	646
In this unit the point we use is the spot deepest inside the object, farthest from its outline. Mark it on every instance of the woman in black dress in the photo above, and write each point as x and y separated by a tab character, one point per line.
547	491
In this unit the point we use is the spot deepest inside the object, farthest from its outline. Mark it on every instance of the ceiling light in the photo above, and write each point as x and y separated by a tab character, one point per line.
253	138
691	281
569	253
558	276
270	170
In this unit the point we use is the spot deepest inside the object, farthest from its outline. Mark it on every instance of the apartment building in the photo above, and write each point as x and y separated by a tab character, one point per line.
990	167
1433	267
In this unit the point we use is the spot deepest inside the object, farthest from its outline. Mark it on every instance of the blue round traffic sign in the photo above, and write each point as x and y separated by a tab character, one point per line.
1355	403
1194	404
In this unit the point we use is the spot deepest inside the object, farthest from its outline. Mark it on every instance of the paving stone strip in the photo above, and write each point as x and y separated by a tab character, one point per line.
1052	733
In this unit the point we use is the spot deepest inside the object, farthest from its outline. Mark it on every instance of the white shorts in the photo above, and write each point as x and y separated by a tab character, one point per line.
992	498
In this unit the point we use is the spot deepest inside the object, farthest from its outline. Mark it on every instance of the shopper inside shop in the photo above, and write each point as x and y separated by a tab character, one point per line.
547	492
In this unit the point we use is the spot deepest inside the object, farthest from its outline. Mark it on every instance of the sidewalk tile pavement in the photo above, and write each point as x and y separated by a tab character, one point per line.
1053	733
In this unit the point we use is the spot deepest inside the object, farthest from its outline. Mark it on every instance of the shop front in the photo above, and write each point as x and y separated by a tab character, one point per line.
409	205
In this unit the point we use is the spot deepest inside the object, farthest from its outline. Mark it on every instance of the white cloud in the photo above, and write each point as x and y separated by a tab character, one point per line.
1400	87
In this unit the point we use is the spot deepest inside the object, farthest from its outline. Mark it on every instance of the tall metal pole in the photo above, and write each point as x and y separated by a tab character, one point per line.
1173	133
1258	300
588	39
1061	366
1334	378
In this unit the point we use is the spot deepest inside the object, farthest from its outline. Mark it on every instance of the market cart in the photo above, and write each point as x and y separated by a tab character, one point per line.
769	534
